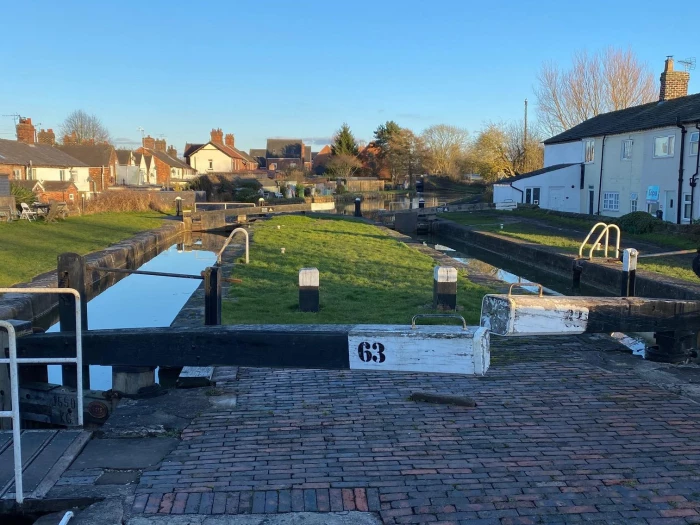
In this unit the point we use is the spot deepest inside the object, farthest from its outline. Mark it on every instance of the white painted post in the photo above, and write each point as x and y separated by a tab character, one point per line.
308	290
444	288
629	272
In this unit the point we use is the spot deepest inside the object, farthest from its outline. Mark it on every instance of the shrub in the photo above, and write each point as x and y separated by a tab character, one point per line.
22	195
120	201
638	222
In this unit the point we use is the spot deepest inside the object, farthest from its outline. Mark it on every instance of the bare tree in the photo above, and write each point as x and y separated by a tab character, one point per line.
444	145
86	127
596	83
342	166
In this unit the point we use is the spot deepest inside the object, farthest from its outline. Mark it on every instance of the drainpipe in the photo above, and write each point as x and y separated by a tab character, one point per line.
522	194
600	182
694	179
680	169
102	175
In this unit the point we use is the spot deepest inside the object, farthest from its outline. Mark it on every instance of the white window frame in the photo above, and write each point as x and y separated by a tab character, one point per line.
671	146
61	175
626	153
532	189
634	203
694	140
211	164
611	200
589	145
686	203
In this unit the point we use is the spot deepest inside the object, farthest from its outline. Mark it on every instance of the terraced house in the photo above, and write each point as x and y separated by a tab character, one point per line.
643	158
219	155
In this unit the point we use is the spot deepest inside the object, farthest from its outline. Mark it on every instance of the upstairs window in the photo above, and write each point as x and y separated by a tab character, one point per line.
61	175
611	201
211	164
664	146
588	151
694	142
627	149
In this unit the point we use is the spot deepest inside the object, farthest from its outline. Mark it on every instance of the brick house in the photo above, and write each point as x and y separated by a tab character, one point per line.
282	154
47	191
25	159
163	162
219	155
101	160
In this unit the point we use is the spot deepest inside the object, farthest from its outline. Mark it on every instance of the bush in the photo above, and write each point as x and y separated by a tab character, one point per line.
119	201
639	222
22	195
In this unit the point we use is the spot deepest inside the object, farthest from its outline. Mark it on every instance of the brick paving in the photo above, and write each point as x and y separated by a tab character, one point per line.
554	439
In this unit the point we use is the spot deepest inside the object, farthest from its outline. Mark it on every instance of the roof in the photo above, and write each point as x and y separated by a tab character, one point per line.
307	154
234	153
26	184
148	159
13	152
637	118
123	156
57	185
261	152
283	149
137	158
91	154
191	148
170	160
529	174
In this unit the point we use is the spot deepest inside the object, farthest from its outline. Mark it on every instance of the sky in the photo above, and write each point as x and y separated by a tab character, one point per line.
267	68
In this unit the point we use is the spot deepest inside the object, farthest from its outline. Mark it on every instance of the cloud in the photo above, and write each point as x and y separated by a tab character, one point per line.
317	141
125	141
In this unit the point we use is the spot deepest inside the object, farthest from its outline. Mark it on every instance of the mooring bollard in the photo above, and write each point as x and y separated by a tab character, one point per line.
629	272
421	204
308	290
358	211
71	274
212	296
445	288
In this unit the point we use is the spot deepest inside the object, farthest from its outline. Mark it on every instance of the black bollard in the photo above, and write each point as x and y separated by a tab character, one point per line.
421	204
308	290
629	272
358	211
444	288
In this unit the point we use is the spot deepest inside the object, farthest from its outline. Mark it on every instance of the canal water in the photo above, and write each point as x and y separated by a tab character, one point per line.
142	301
394	202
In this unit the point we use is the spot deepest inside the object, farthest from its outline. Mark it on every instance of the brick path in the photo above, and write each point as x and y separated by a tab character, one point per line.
553	439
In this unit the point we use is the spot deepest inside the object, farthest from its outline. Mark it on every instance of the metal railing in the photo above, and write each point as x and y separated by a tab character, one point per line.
228	241
213	206
605	232
14	361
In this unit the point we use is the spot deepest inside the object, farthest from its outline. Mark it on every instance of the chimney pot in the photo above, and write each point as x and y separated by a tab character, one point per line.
149	142
217	136
230	140
25	131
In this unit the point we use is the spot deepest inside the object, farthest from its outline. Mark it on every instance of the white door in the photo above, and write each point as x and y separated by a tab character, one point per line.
670	207
556	198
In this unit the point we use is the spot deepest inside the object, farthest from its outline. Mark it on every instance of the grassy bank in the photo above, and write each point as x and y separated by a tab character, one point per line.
28	249
365	276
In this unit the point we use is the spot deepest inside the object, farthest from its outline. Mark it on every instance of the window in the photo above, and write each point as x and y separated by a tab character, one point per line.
611	201
71	197
627	149
532	196
211	164
61	175
15	174
663	146
686	206
588	151
633	205
694	142
31	173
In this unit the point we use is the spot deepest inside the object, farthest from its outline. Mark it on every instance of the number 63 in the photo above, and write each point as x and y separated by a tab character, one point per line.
363	351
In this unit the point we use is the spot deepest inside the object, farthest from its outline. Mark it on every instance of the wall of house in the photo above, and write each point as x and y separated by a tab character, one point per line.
15	171
221	163
129	175
559	189
80	178
69	196
4	185
565	153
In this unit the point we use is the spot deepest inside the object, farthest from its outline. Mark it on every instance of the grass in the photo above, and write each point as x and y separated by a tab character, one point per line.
365	276
28	249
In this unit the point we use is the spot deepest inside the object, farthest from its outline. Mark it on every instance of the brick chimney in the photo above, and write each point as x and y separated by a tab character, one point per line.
47	137
217	136
25	131
70	140
230	140
160	145
149	142
674	84
172	151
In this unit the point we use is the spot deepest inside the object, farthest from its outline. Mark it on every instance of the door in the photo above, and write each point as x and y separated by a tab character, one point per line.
591	201
669	209
556	198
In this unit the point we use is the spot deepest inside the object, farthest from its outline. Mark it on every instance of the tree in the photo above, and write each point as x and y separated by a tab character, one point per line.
606	81
342	166
445	145
86	127
344	142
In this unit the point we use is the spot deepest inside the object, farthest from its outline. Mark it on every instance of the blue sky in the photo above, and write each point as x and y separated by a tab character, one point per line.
261	69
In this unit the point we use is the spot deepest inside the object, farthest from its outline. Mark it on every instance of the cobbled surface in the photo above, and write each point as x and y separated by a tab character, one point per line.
554	439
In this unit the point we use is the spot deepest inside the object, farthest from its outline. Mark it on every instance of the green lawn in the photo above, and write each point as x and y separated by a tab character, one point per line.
365	276
30	248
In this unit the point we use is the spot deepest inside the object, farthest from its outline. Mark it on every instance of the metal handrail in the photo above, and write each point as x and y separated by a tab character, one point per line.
438	316
14	361
605	232
228	241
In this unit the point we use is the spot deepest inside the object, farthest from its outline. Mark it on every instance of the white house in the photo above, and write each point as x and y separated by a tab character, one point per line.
219	155
555	187
643	158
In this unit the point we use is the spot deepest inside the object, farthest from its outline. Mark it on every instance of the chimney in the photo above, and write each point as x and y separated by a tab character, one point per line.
160	145
230	140
172	151
25	131
217	136
149	142
674	84
47	137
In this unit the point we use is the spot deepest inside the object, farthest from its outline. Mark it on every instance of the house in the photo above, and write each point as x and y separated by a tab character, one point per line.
643	158
128	173
283	154
162	167
259	156
25	159
101	160
51	190
219	155
320	160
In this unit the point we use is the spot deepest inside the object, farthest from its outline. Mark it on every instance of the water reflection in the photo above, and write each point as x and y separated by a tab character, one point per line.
142	301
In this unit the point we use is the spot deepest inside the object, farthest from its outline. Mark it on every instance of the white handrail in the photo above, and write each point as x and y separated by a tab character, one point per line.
230	237
13	361
605	232
585	241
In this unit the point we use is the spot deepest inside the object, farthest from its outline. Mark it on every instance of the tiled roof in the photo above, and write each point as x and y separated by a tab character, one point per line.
170	161
283	149
93	155
123	156
13	152
637	118
191	148
529	174
137	158
57	185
